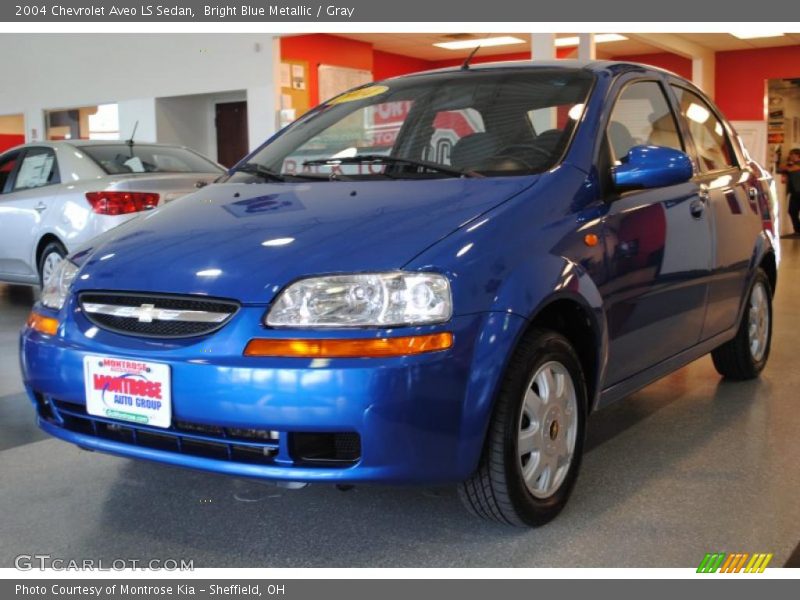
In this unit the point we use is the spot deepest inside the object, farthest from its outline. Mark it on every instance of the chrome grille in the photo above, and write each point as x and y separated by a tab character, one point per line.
152	315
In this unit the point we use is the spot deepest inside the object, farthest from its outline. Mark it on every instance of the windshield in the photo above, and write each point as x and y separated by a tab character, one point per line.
465	123
123	158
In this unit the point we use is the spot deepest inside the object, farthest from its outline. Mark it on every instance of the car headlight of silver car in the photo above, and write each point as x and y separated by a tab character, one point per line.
364	300
56	288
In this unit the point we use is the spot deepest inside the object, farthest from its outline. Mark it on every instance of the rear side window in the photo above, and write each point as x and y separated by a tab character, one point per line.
642	116
38	169
7	165
713	146
117	159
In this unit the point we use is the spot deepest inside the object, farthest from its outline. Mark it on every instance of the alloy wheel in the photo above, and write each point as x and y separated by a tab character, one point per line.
758	321
548	428
49	265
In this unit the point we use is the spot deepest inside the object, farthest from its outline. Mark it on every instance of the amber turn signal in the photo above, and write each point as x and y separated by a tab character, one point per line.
591	240
42	324
350	348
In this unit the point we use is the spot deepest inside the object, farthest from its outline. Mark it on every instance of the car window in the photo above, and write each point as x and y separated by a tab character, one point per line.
38	169
7	165
495	123
713	147
642	116
449	128
121	158
369	130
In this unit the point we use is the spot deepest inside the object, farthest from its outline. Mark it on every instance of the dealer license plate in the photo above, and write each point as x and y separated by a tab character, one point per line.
128	390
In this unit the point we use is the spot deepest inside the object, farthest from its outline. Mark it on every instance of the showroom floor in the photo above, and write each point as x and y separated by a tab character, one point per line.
689	465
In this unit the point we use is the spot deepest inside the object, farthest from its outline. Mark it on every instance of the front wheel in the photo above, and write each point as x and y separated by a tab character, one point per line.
535	440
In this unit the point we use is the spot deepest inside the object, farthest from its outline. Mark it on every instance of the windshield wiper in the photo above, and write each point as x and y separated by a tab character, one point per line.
260	171
392	160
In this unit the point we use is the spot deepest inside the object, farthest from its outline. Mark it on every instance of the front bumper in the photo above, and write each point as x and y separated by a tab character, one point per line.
417	419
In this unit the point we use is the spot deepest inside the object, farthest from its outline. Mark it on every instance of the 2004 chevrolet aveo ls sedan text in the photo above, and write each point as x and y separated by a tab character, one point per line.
431	279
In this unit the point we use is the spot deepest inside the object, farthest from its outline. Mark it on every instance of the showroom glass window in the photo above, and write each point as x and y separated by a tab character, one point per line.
475	120
713	147
38	168
642	116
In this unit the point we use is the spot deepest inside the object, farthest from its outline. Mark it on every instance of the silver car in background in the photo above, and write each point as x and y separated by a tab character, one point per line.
54	196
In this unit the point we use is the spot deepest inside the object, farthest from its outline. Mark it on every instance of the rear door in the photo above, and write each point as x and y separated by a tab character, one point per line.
732	207
658	244
28	196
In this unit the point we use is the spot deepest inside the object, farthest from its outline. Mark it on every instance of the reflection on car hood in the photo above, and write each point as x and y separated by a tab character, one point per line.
247	241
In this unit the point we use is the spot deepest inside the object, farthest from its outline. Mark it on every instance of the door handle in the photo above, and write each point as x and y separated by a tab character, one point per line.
40	207
753	193
697	207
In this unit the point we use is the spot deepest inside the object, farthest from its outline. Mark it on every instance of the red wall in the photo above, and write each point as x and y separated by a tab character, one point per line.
741	87
663	60
319	49
740	74
9	140
386	64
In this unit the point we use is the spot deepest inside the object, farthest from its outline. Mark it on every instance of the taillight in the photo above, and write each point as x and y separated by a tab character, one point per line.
121	203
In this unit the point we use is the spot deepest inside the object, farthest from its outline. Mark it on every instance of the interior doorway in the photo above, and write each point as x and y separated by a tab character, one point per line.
783	134
232	138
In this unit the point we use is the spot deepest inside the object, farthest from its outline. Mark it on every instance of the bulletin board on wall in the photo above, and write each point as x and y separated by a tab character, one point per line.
334	80
294	86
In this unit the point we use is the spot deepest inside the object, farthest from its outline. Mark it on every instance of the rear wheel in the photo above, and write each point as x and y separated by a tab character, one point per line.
51	257
535	440
745	356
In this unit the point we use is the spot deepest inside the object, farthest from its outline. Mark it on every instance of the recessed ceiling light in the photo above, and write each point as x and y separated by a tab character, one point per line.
599	38
752	35
502	40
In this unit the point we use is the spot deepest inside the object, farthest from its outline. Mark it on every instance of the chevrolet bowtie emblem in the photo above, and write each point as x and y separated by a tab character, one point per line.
145	313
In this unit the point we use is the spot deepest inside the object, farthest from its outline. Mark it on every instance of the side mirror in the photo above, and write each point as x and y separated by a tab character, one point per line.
651	167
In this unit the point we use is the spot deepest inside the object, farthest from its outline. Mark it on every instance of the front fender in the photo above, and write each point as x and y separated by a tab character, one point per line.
501	331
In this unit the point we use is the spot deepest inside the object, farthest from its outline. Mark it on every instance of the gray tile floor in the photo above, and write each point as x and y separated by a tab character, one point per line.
689	465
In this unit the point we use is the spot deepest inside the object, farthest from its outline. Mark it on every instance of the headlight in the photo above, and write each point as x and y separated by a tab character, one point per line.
56	288
364	300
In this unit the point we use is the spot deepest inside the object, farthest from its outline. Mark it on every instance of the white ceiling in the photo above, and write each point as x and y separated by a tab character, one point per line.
420	45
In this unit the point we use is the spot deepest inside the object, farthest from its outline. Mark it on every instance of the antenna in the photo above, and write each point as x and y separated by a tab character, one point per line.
133	134
465	64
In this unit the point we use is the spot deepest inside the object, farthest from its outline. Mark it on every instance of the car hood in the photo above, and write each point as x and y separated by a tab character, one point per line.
247	241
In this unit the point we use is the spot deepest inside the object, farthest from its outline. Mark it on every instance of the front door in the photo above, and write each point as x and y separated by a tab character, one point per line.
658	245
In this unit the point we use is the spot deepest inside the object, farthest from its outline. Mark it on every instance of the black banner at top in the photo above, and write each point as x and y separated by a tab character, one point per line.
266	11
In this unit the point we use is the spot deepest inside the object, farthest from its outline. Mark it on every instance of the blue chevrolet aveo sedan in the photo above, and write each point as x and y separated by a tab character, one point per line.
435	278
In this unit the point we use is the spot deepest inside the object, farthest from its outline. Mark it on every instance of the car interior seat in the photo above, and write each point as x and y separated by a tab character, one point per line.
474	149
550	141
620	138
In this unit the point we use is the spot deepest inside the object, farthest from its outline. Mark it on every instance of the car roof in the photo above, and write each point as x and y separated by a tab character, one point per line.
84	143
595	66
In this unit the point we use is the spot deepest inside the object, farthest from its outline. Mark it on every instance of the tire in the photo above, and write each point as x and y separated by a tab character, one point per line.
53	253
498	490
745	356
